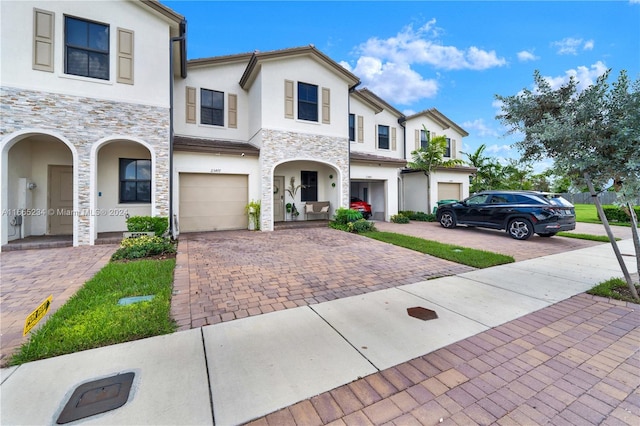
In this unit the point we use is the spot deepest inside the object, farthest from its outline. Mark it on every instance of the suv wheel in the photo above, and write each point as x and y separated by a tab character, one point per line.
447	219
520	229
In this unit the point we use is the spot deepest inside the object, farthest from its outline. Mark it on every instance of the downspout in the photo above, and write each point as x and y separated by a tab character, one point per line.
401	121
183	73
351	90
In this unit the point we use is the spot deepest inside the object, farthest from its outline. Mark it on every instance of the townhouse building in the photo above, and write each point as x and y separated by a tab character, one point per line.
103	118
85	101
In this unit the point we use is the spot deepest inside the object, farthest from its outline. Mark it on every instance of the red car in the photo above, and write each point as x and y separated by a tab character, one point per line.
362	206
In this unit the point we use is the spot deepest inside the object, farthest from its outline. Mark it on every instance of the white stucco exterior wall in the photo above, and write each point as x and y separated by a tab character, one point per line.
151	50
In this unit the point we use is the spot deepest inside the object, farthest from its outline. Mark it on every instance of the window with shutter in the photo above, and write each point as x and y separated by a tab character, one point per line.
86	48
233	111
307	102
288	99
43	40
125	56
352	127
211	107
383	137
424	139
326	106
191	105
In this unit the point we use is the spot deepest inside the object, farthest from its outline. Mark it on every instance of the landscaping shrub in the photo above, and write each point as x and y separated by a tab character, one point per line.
419	216
360	225
407	213
399	218
343	216
619	214
350	221
423	217
157	224
144	246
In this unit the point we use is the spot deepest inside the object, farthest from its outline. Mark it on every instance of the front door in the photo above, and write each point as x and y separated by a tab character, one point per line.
60	200
278	198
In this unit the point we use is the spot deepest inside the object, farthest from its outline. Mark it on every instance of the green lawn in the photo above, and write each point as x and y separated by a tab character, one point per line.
93	318
587	213
462	255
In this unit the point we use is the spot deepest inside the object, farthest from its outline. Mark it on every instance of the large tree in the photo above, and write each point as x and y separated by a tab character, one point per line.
592	135
431	157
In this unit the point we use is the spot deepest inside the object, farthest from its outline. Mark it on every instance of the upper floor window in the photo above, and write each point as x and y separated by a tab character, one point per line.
352	127
424	139
447	151
86	48
383	137
307	102
211	107
135	181
309	189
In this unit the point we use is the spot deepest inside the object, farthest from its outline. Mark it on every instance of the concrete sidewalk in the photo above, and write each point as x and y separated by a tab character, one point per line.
282	364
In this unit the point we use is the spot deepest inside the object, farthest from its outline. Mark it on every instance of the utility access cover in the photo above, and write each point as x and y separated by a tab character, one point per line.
422	313
97	397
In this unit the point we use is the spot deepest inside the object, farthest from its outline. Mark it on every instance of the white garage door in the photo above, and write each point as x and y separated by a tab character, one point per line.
212	202
449	191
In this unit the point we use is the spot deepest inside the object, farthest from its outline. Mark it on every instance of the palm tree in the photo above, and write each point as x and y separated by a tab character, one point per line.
479	161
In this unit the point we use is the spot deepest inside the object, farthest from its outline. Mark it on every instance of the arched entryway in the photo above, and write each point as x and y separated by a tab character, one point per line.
295	183
38	186
124	184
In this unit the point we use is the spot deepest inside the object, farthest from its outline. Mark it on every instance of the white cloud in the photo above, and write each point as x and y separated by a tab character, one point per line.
480	128
386	66
495	149
394	82
525	56
570	45
411	46
585	76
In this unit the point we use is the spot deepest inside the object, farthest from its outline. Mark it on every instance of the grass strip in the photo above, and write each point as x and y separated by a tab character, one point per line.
601	238
615	288
92	317
464	255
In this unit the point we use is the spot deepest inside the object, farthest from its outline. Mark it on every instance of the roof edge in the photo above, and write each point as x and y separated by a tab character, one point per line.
163	10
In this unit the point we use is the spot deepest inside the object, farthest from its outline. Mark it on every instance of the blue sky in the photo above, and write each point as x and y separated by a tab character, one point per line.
451	55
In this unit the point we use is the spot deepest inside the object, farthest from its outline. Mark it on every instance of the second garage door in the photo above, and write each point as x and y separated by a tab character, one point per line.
212	202
449	191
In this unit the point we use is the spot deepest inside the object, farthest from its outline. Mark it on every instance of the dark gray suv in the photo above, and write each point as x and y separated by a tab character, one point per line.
520	213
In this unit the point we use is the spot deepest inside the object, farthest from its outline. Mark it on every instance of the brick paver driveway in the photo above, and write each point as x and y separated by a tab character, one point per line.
221	276
28	277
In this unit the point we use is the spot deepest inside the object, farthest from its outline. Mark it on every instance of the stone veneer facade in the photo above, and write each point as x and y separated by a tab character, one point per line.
83	122
278	147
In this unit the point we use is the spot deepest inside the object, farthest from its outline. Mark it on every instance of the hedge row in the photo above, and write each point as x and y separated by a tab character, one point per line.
617	214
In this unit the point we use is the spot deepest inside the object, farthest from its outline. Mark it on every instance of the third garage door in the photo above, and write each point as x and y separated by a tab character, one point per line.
212	202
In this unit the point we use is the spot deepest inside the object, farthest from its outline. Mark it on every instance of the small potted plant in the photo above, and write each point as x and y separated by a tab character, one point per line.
253	210
293	191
